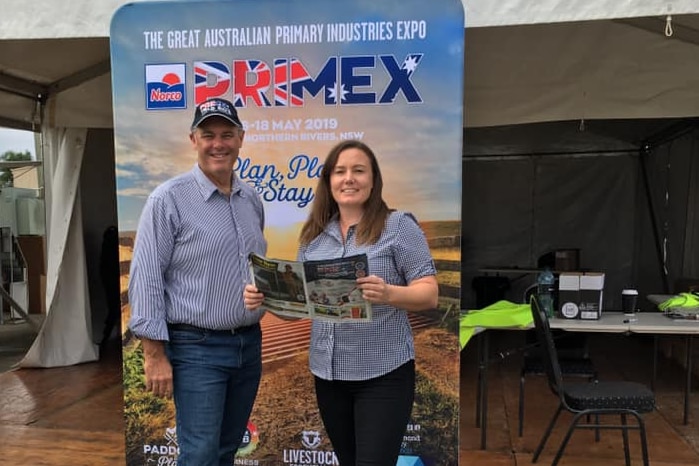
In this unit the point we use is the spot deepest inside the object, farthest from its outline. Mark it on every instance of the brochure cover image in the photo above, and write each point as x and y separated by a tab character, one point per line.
314	289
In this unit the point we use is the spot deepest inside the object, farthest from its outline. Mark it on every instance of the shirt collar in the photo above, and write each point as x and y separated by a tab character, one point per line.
333	227
208	188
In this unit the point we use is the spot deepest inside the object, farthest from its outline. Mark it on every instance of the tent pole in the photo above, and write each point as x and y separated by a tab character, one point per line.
643	156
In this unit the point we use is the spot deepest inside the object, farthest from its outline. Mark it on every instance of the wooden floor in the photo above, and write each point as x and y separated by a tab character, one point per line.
73	415
64	416
616	357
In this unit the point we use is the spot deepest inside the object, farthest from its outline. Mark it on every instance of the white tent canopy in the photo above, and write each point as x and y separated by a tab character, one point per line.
485	13
582	70
619	65
87	18
66	63
525	62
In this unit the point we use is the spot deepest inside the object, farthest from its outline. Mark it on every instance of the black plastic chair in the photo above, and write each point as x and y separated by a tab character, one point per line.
579	367
575	363
592	398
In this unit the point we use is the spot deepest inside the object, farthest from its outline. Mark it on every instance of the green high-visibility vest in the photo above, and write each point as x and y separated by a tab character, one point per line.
682	302
501	314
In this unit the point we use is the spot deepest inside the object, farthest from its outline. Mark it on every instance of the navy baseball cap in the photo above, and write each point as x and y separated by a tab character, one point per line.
216	107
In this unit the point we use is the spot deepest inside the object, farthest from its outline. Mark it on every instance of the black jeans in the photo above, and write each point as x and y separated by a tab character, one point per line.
366	420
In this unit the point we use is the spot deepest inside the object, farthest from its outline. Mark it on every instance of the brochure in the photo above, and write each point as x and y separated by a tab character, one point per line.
325	290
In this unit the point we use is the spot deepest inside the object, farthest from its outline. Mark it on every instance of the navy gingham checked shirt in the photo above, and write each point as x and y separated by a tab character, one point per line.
366	350
190	260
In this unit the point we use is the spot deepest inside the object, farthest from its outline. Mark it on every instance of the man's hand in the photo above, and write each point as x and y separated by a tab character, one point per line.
252	297
157	368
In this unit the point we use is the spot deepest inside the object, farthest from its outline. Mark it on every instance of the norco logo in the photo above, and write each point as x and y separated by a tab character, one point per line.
165	86
156	95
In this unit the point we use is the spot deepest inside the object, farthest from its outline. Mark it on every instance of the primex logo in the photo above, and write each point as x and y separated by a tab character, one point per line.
311	440
288	82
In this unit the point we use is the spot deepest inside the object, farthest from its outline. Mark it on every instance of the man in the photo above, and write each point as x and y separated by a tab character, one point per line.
188	270
291	281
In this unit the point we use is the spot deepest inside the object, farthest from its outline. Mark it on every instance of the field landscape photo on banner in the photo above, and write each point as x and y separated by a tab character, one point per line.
303	75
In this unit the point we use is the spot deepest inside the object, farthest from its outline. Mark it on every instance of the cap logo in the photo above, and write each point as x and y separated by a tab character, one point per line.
215	106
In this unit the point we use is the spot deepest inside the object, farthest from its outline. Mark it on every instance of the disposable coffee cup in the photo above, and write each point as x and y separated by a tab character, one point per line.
629	299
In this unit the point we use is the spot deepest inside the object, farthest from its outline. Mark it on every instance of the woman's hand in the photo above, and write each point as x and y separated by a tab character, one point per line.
418	295
252	297
374	289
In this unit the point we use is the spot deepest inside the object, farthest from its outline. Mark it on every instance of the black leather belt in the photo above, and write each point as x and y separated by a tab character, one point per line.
194	328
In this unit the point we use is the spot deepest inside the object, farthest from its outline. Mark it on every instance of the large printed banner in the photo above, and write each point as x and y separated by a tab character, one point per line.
304	75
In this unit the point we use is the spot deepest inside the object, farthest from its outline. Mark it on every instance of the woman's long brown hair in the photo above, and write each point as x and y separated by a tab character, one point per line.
324	206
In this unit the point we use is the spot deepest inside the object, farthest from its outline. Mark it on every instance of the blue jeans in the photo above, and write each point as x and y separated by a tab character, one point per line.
215	379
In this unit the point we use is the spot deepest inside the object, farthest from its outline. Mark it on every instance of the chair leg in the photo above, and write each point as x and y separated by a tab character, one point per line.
587	419
564	443
479	358
642	433
549	429
521	404
625	436
593	379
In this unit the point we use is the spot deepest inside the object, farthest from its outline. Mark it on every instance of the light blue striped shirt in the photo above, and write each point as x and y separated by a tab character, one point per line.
365	350
190	259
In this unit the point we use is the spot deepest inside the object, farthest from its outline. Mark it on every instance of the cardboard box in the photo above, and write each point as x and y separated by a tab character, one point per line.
580	295
591	291
569	295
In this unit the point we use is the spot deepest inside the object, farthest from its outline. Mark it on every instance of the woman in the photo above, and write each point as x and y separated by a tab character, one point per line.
365	372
